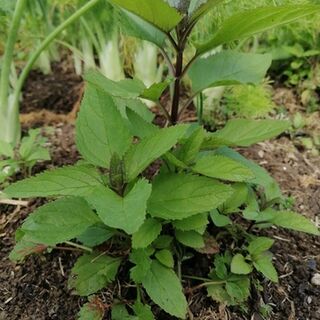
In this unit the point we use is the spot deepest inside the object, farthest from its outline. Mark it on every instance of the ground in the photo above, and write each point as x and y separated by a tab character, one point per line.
38	288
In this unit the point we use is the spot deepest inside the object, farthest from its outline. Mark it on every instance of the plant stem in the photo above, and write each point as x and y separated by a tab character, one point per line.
79	246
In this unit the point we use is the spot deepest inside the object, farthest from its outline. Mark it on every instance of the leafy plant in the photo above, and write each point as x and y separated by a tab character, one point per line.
124	219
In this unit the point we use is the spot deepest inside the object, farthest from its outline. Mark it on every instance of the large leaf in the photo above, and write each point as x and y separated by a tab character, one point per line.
156	12
244	132
76	180
140	155
247	23
178	196
59	221
223	168
126	213
100	129
93	272
164	288
228	68
190	239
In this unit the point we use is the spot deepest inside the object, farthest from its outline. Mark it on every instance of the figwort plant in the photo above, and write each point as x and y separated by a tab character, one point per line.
124	220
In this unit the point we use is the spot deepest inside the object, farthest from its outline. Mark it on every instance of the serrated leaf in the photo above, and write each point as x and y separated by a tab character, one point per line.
228	68
96	234
146	234
238	288
263	263
100	128
93	272
92	310
75	180
156	12
219	294
260	245
59	221
162	242
190	238
126	213
164	288
140	257
239	265
289	220
165	257
140	155
191	223
219	220
224	168
179	196
142	311
243	132
247	23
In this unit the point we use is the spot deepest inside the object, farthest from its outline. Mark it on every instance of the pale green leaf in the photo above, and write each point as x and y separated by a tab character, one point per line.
6	149
228	68
165	257
260	245
239	265
223	168
199	8
179	196
93	272
146	234
126	213
75	180
190	238
219	220
263	263
164	288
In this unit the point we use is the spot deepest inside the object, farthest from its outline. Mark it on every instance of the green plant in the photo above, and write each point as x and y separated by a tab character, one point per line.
152	224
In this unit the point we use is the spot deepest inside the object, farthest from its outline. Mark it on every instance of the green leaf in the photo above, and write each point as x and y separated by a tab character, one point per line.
289	220
100	129
156	12
96	234
162	242
142	311
179	196
199	8
164	288
93	310
263	263
59	221
75	180
146	234
243	132
93	272
165	257
239	265
6	149
140	155
140	257
238	288
155	91
120	312
190	238
191	223
223	168
126	213
240	196
260	245
24	247
262	177
228	68
219	220
219	294
247	23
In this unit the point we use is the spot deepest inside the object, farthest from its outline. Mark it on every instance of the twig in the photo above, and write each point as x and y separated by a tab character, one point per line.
14	202
79	246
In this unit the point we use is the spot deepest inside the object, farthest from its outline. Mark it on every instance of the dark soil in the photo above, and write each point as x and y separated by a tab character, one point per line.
37	289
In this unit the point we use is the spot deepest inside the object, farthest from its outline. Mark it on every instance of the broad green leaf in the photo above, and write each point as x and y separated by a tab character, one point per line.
220	267
179	196
190	238
223	168
198	8
6	149
164	288
219	294
228	68
136	27
140	257
140	155
262	177
92	310
96	234
25	247
191	223
75	180
155	91
247	23
165	257
93	272
142	311
59	221
146	234
289	220
156	12
163	242
219	220
243	132
238	288
239	265
260	245
126	213
263	263
100	129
